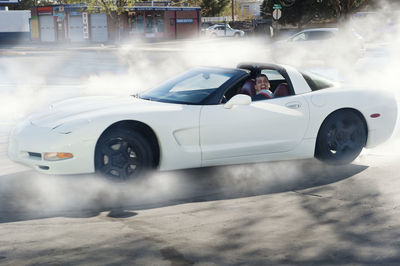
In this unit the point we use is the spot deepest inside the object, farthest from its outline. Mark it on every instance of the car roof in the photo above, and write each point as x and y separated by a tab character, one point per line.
219	24
254	65
321	29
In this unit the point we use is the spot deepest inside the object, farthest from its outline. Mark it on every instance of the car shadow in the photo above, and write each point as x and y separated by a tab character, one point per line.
29	195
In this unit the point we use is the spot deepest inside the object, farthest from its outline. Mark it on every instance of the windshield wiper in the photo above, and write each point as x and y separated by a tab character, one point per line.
135	95
145	98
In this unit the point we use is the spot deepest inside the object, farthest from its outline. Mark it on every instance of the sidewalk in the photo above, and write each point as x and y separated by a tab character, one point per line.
6	48
26	47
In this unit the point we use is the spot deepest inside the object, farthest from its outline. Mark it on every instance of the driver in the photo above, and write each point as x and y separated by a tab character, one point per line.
262	88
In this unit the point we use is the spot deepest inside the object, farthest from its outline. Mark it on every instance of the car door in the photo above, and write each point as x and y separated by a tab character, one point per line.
262	127
220	31
320	39
229	31
302	40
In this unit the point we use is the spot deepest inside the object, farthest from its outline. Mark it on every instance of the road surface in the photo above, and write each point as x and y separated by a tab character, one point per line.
285	213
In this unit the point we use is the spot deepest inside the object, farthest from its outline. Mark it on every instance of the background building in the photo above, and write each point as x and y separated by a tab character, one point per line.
14	26
70	23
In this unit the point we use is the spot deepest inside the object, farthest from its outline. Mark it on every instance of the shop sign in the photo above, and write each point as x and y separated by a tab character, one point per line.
58	12
47	10
85	25
184	20
75	13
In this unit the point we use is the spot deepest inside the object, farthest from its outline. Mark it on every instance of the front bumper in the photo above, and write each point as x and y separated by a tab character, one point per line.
28	143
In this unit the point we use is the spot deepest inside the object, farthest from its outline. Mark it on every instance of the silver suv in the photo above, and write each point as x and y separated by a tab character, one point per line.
223	30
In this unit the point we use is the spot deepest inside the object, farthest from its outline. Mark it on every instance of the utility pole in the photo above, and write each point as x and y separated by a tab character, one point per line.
233	10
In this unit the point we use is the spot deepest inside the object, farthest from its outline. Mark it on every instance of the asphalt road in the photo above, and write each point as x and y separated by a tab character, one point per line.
285	213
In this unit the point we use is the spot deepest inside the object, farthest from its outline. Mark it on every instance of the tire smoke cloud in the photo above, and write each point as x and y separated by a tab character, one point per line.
139	66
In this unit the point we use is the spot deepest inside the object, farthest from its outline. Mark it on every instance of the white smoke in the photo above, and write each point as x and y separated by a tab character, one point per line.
141	66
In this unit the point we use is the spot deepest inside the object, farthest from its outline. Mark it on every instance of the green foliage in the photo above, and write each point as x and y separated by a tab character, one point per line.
22	5
185	2
212	8
209	8
303	11
227	11
106	6
28	4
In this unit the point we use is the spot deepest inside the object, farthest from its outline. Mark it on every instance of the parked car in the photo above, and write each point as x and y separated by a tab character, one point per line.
206	117
320	43
223	30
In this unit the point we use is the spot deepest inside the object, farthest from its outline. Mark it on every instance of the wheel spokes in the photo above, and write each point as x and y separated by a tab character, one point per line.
120	159
108	150
124	147
342	137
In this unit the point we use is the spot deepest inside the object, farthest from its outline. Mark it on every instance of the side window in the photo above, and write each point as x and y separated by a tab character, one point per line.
300	37
272	74
316	82
279	85
320	35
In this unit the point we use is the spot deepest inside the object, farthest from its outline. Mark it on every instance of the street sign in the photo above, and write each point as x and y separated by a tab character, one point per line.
277	6
276	14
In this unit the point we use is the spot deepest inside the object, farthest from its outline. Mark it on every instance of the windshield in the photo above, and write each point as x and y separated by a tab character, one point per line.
191	87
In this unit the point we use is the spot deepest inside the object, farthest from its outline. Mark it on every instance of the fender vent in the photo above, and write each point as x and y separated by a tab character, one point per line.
35	155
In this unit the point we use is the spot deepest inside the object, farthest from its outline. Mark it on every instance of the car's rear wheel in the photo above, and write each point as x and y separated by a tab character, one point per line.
237	35
123	154
341	137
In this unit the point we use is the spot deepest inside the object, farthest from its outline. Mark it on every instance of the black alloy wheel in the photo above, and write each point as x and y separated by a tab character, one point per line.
122	155
341	138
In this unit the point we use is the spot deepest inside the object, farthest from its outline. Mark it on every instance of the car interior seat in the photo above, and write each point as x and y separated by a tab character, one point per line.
248	88
282	90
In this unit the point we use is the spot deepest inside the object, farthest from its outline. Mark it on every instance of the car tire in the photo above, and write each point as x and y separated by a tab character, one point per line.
123	154
237	35
341	137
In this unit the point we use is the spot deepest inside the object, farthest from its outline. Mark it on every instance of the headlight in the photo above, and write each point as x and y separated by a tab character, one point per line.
57	156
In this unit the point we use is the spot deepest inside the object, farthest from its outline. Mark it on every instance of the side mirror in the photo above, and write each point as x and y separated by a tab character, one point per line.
239	99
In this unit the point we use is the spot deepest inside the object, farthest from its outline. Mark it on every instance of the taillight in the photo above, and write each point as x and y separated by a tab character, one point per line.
375	115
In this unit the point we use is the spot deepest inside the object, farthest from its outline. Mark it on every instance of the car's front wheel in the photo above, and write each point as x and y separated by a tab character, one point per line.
341	138
123	154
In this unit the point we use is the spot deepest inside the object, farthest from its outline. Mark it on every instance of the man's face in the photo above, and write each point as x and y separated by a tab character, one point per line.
262	83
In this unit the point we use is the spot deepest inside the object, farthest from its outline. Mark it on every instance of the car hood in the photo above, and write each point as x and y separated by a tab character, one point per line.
85	108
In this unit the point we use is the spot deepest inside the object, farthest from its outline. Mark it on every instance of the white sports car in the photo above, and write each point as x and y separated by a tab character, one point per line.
206	117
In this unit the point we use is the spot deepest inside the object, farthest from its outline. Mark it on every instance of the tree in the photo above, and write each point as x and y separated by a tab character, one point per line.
303	11
107	6
343	8
212	8
28	4
185	2
22	5
209	8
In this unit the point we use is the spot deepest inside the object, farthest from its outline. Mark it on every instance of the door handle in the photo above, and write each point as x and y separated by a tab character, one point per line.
293	105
